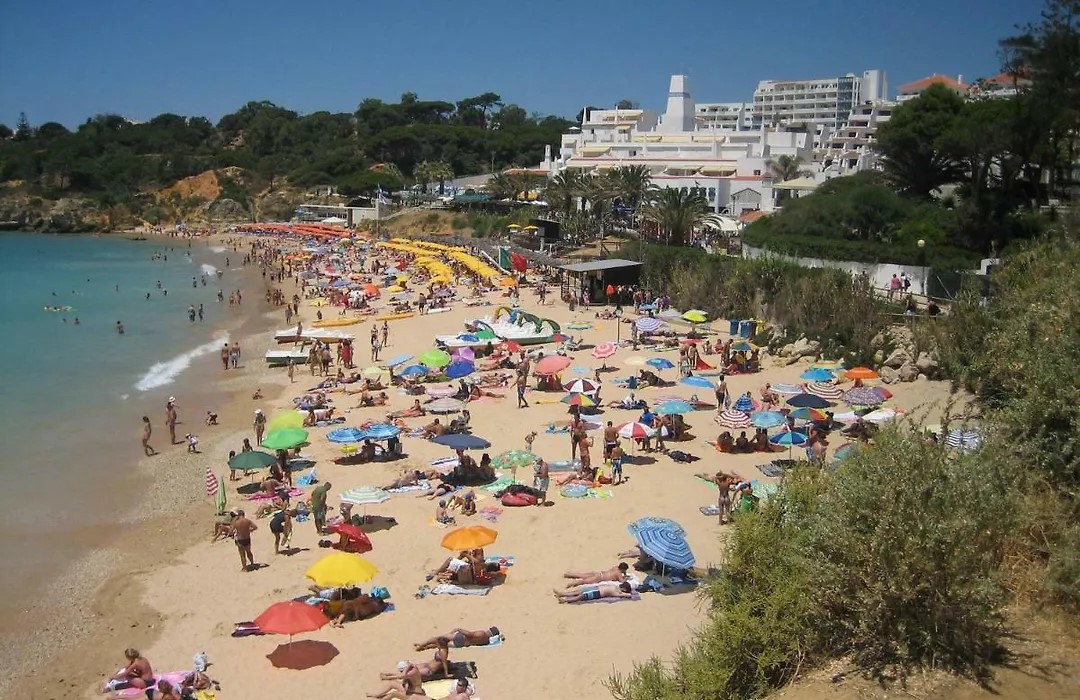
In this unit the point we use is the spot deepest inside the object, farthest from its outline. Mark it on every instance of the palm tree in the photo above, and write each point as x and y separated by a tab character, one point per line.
422	173
632	185
501	186
787	168
677	212
563	189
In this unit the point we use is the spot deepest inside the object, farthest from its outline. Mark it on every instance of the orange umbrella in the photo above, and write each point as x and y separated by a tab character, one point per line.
371	290
471	537
861	373
552	364
291	617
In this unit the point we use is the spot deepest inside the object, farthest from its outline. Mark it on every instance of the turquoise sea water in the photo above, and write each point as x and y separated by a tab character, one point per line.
73	394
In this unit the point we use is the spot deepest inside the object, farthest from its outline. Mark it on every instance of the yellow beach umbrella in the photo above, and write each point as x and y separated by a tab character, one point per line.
395	289
341	569
285	419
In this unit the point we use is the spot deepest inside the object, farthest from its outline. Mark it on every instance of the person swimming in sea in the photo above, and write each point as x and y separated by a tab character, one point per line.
119	328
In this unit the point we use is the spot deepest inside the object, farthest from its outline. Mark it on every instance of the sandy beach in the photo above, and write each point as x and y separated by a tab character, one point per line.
185	594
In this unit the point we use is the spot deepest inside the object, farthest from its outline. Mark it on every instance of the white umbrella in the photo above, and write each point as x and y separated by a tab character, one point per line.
445	405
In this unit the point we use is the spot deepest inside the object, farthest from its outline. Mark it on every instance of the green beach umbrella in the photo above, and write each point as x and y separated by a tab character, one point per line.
285	419
284	438
434	358
221	499
255	459
512	459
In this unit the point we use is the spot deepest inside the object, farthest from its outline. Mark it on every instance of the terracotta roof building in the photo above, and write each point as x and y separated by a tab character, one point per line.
915	88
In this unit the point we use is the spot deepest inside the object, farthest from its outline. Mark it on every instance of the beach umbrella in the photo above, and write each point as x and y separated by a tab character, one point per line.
789	438
252	459
863	373
831	365
462	441
512	459
221	498
507	282
581	386
552	364
440	391
285	438
459	369
881	391
964	440
647	307
399	360
604	350
881	415
825	390
732	418
808	401
290	617
863	396
364	496
744	346
434	358
345	435
381	431
341	569
766	419
373	371
579	326
818	375
807	414
660	363
471	537
654	521
636	361
446	405
648	324
465	353
745	404
395	289
695	316
583	400
213	486
359	542
677	407
791	389
666	545
700	382
284	419
371	290
636	431
413	371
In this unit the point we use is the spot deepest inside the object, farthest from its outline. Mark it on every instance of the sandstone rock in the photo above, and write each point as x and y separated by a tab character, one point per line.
908	372
889	375
226	210
927	364
898	358
878	341
879	357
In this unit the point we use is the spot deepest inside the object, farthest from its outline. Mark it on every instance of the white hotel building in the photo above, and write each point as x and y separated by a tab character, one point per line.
684	147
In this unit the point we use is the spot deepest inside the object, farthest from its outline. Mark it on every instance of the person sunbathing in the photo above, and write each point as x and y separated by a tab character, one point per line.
136	674
410	477
362	607
437	669
408	681
584	594
454	570
582	578
442	516
413	411
223	527
439	490
742	444
433	429
459	638
380	399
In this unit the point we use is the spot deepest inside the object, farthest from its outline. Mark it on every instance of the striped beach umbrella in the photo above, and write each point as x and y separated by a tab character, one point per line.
790	389
825	390
513	459
734	419
767	419
581	386
807	414
364	496
635	431
964	440
648	324
381	431
212	484
863	396
654	521
575	399
666	545
604	350
745	404
789	438
440	391
446	405
345	435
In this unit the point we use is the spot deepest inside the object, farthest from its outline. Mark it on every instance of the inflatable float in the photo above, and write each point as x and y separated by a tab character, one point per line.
335	322
394	317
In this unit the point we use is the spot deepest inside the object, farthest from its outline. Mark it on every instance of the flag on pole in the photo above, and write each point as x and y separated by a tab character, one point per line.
212	484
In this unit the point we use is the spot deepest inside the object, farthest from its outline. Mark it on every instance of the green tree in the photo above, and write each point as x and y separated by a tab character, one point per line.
502	186
5	132
787	168
23	130
632	185
917	144
676	212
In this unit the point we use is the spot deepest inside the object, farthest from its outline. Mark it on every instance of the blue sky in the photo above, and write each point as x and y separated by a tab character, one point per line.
66	60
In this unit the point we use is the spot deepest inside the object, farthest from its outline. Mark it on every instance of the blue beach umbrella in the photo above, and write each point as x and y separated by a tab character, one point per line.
744	403
381	431
809	401
654	521
345	435
648	324
863	396
413	371
700	382
648	307
666	545
789	438
462	442
456	370
818	375
399	360
660	363
766	419
668	408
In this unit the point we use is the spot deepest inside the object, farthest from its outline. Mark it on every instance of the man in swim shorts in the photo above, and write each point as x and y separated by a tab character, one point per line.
583	578
459	638
242	529
585	594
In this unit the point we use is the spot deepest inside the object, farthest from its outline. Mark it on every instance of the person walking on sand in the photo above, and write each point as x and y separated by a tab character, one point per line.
521	382
234	354
385	333
242	529
291	370
171	419
225	356
146	431
318	506
259	425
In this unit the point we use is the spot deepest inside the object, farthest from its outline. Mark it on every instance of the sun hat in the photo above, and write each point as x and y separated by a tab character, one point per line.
402	666
258	410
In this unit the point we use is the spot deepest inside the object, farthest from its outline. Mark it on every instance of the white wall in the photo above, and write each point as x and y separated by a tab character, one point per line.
879	273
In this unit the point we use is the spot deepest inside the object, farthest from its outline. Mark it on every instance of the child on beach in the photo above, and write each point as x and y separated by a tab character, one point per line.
192	443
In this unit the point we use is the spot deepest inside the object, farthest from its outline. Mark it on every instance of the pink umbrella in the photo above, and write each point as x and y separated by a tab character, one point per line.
465	353
552	364
604	350
440	392
636	431
734	419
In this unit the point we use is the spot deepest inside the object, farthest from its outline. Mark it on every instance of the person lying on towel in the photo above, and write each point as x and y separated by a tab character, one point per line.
585	594
459	638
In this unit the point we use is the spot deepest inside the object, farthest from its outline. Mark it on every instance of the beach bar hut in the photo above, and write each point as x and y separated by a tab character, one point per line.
595	276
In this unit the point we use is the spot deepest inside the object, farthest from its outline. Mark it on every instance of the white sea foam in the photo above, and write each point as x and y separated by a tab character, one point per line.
218	249
208	270
162	373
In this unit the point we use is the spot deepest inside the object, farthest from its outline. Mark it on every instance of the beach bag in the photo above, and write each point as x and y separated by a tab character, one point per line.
380	592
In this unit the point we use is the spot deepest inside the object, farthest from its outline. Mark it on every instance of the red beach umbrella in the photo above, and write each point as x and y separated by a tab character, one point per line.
552	364
604	350
291	617
359	542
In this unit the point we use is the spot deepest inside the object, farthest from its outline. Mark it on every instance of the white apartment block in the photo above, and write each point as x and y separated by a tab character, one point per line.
680	150
726	116
851	147
824	102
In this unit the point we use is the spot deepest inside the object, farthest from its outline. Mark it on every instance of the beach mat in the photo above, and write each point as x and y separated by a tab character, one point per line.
423	485
451	589
709	510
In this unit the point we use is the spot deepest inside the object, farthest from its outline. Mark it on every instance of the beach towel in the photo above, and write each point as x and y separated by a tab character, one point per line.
422	485
452	589
327	423
710	510
490	513
258	497
438	690
307	479
498	485
634	595
770	469
501	561
174	677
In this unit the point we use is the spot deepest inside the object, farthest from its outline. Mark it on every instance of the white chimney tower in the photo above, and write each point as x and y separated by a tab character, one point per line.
679	115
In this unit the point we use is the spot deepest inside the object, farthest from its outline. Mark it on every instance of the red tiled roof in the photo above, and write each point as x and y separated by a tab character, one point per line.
929	80
749	217
1006	79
